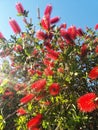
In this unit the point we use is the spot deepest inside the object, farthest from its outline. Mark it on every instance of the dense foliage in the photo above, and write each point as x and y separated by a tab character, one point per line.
49	77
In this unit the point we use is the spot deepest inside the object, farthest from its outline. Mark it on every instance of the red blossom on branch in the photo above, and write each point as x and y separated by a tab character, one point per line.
54	89
34	122
48	10
86	102
93	74
27	98
21	111
39	85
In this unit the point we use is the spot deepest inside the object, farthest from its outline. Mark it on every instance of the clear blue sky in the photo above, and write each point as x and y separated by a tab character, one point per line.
81	13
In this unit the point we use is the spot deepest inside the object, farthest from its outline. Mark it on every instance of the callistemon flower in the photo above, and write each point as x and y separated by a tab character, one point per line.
80	32
52	54
19	8
96	49
48	9
21	111
34	122
93	74
40	35
48	63
96	27
64	25
84	49
14	25
1	36
54	20
39	85
54	89
86	103
27	98
66	36
72	31
45	22
48	71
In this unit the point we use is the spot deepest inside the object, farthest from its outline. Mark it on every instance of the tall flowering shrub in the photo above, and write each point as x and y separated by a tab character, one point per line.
49	76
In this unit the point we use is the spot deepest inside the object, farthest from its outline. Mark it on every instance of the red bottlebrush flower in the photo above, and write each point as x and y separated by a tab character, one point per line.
1	36
84	48
96	27
19	8
21	111
40	35
52	54
54	89
54	20
86	102
48	71
93	74
96	49
34	122
14	25
39	85
64	25
18	48
66	36
27	98
48	63
39	72
72	31
80	32
48	10
45	22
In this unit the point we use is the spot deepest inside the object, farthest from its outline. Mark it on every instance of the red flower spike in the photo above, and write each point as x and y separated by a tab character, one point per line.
40	35
86	102
96	49
54	20
96	27
66	36
19	8
48	63
39	85
14	25
72	31
21	111
34	122
64	25
52	54
48	10
1	36
54	89
48	71
79	32
45	22
84	48
27	98
93	74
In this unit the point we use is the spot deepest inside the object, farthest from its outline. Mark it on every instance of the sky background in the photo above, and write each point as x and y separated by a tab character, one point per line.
80	13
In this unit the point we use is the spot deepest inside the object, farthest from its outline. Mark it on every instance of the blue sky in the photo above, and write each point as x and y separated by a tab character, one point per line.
81	13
